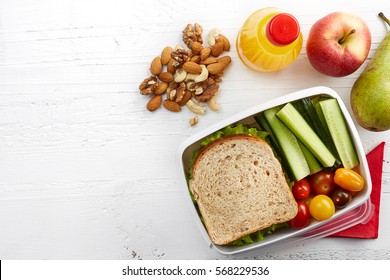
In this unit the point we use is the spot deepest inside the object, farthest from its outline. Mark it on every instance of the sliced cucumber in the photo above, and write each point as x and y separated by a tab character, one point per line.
297	124
340	135
278	151
316	103
313	118
312	162
289	144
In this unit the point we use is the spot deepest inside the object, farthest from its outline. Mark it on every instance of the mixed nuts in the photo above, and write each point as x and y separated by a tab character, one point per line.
188	76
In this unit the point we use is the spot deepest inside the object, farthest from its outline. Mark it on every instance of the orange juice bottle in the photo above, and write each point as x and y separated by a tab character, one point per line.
269	40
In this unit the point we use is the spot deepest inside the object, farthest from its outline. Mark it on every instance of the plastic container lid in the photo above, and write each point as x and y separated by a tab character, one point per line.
283	29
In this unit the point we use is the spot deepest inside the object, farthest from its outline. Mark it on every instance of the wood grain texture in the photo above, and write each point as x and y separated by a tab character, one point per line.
86	172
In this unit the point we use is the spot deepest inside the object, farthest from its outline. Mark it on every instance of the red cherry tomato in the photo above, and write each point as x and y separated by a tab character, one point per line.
322	182
301	190
302	218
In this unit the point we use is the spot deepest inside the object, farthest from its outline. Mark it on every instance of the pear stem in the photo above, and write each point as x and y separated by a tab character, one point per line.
382	16
343	39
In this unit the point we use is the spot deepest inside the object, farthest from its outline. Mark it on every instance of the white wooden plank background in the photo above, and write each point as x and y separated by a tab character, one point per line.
86	172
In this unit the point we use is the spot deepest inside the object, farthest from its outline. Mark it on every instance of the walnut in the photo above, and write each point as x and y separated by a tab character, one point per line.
217	77
192	34
181	87
172	86
148	86
210	88
181	56
180	91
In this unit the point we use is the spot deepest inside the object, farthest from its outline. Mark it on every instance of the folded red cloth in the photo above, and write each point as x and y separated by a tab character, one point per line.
369	229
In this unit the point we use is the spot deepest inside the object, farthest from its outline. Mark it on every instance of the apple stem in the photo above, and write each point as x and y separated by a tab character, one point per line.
342	40
382	16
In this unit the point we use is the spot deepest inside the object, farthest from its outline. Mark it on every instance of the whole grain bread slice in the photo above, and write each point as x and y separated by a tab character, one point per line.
240	188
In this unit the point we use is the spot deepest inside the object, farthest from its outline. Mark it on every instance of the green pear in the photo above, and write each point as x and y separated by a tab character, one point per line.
370	95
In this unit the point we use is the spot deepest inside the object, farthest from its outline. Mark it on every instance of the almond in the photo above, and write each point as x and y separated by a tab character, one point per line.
196	47
216	68
217	49
226	43
154	103
225	60
205	53
161	88
195	58
171	68
209	60
166	55
166	77
192	67
156	66
171	105
187	96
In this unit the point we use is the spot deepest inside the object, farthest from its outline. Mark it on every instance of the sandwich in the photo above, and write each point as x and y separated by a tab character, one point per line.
239	186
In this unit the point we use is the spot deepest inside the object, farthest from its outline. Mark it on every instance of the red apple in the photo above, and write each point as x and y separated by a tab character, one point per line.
338	44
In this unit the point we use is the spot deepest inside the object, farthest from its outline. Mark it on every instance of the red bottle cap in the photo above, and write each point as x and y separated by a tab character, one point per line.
282	29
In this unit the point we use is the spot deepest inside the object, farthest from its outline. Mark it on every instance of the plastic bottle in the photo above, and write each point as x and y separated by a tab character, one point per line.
269	40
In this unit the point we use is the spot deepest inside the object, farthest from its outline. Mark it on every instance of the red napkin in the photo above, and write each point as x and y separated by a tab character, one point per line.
370	229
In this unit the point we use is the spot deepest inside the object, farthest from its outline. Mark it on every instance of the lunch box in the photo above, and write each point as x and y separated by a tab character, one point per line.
359	210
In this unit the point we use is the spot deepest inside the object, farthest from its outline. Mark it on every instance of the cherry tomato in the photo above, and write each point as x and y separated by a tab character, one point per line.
341	197
349	179
322	182
301	189
321	207
302	218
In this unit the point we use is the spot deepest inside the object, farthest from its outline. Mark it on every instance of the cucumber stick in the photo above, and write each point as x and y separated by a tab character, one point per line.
301	129
260	119
339	132
316	103
289	144
312	162
306	108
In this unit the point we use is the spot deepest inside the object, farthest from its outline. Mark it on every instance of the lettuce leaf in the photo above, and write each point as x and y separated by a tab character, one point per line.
258	235
234	130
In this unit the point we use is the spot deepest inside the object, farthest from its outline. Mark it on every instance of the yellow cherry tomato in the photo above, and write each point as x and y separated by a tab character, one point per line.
321	207
349	179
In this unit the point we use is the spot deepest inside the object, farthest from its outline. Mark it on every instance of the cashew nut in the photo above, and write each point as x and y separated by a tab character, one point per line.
203	75
198	90
191	77
180	75
213	34
195	107
212	104
197	78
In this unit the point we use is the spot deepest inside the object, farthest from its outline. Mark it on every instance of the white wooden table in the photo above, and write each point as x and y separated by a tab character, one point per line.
86	172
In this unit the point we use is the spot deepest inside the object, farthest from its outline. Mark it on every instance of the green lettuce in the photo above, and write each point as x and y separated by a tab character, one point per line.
258	235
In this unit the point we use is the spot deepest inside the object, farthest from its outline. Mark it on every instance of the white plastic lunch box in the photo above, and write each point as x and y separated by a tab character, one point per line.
359	210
